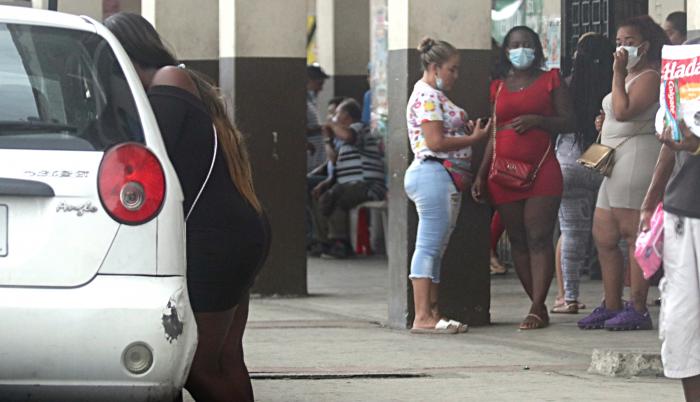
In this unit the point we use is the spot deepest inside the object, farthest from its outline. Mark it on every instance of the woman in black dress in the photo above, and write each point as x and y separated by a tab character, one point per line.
227	235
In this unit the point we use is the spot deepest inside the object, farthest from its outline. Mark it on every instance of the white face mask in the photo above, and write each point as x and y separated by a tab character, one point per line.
439	84
633	56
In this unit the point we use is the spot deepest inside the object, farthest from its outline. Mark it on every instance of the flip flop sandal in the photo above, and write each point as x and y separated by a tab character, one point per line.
442	327
496	268
566	308
561	302
539	322
461	327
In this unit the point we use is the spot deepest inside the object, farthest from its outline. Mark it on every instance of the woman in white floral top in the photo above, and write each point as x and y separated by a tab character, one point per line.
440	134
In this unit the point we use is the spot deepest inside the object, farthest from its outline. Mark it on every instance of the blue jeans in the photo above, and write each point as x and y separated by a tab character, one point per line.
437	201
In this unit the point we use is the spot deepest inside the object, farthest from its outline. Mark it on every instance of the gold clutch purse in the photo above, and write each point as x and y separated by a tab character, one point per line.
599	157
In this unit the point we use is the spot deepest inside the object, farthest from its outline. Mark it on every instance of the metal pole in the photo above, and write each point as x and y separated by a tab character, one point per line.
53	5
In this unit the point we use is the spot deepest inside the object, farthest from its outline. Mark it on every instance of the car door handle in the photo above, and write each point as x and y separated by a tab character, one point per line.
29	188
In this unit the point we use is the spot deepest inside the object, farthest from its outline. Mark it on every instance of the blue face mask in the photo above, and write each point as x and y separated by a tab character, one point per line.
521	58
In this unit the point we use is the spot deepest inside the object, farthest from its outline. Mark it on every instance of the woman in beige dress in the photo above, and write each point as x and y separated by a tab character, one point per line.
628	126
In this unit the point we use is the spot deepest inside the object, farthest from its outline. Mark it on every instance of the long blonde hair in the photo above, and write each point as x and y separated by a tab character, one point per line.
230	138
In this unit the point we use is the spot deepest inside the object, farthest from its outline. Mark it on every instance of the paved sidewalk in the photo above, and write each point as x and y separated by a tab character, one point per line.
331	346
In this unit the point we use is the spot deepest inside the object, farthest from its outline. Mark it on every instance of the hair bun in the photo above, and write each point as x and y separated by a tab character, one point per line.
426	44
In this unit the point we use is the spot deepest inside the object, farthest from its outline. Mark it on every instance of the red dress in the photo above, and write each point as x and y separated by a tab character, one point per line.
532	144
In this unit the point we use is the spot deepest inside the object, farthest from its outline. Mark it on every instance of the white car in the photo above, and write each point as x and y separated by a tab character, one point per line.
93	295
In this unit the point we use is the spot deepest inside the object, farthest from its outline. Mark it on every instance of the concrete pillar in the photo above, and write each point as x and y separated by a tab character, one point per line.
195	43
465	287
97	9
693	19
110	7
17	3
91	8
263	72
660	9
342	32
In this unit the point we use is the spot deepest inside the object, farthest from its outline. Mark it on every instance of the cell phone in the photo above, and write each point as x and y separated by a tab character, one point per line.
484	120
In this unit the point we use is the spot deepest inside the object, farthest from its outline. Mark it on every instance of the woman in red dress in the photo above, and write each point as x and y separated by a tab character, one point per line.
531	106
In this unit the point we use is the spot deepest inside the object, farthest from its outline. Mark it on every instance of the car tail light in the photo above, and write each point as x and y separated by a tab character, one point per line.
131	184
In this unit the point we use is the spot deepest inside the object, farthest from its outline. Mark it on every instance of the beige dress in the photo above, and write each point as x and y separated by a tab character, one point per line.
634	159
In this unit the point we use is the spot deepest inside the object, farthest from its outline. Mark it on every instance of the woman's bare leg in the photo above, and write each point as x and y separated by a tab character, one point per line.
232	359
691	388
206	381
422	304
434	293
512	216
607	236
628	222
540	216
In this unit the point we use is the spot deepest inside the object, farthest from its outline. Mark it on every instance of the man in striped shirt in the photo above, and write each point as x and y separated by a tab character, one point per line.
359	177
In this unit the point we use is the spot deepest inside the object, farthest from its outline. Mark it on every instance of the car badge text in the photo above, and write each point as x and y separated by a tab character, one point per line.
79	209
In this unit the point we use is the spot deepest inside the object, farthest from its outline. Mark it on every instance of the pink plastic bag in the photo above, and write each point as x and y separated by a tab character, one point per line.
650	244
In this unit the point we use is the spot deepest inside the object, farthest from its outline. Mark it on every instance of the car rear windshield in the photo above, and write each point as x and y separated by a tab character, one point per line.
62	89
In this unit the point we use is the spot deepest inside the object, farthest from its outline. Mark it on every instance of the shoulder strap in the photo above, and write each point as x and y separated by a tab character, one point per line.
597	140
494	122
544	157
623	142
206	180
640	74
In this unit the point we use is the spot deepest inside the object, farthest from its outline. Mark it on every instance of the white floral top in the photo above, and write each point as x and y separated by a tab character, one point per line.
429	104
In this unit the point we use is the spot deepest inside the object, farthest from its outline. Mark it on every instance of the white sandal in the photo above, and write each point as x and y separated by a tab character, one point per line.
442	327
461	327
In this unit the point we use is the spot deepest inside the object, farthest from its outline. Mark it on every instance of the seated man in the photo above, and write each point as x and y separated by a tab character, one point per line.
324	171
358	177
322	176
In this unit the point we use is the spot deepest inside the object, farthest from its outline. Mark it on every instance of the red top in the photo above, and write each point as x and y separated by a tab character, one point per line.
532	144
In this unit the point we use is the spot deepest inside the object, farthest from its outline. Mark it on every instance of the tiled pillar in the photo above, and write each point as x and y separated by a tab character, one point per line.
465	283
262	70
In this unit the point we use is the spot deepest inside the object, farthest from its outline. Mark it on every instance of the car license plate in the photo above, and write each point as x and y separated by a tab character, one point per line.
3	230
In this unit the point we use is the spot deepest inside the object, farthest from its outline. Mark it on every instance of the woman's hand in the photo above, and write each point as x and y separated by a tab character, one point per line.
599	120
525	122
645	219
327	131
481	129
689	141
620	64
479	189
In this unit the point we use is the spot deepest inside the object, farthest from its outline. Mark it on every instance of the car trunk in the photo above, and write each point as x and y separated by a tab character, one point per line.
64	101
53	229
